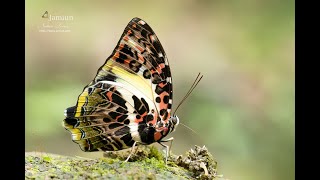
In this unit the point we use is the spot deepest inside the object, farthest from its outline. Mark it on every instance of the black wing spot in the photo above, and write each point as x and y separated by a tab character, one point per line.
116	98
127	50
134	66
122	131
145	104
90	89
119	60
114	115
166	99
121	110
115	125
148	118
166	71
122	56
122	118
146	74
159	90
107	120
144	33
71	121
156	78
139	106
107	77
127	139
70	111
127	121
163	111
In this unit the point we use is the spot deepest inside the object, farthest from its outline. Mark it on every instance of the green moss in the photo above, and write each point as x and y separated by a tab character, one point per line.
46	158
28	158
154	152
146	163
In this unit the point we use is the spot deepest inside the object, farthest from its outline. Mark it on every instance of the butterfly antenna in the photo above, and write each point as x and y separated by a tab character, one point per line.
195	83
189	128
200	137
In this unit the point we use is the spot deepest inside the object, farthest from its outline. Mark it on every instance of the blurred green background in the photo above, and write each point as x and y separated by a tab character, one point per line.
242	110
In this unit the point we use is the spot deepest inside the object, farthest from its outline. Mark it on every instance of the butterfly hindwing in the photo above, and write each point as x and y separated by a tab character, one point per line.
103	111
133	88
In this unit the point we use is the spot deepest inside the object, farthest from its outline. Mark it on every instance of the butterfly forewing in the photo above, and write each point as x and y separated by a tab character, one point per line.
133	88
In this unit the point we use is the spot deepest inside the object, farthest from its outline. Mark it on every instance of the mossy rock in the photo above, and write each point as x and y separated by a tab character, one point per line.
146	163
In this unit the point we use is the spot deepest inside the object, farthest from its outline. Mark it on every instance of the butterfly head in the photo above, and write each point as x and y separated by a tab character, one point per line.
174	122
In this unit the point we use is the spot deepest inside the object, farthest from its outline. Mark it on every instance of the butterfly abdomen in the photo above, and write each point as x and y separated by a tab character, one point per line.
146	133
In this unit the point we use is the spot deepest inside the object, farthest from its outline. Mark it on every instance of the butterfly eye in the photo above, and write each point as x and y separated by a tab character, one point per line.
175	120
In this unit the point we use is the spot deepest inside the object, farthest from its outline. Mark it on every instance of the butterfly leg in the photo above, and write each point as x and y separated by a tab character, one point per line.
167	147
131	152
167	140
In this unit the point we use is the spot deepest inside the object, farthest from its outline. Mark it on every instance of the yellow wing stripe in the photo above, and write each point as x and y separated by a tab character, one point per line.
81	101
76	134
142	84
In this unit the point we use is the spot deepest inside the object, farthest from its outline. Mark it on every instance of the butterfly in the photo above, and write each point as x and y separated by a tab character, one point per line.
129	101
